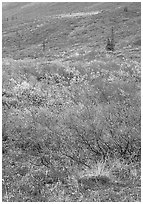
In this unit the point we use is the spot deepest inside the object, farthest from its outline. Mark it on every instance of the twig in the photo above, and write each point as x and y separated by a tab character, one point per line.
77	160
6	191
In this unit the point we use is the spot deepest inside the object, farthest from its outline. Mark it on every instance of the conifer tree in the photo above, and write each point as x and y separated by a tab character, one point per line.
108	44
112	40
44	45
126	9
18	38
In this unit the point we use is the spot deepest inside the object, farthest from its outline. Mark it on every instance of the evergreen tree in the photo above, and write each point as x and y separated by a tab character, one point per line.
126	9
44	45
112	40
18	38
108	46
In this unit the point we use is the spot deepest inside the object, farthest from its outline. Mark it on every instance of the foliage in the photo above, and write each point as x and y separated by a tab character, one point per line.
71	125
63	128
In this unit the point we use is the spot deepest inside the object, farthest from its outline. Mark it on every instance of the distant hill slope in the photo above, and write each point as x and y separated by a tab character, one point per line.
27	10
24	34
32	10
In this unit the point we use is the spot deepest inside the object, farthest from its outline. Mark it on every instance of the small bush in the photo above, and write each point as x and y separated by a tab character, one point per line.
126	9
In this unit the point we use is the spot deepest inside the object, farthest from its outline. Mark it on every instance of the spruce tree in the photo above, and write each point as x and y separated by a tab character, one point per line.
44	45
108	46
112	40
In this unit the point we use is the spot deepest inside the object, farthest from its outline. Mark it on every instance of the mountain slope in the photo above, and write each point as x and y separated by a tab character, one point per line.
23	36
32	10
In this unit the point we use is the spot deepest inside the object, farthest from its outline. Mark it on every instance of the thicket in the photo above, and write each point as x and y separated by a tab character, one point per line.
65	127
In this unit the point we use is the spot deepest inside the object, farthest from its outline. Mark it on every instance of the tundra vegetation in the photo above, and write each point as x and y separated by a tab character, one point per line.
71	109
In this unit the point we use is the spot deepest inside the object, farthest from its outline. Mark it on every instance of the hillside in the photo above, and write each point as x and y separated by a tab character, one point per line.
71	107
32	10
63	31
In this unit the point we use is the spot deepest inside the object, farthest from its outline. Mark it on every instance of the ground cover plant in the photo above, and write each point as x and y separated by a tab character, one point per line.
71	122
